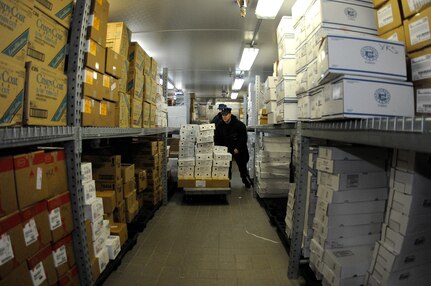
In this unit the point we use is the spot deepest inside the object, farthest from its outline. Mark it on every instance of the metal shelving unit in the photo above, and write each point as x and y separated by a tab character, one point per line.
24	136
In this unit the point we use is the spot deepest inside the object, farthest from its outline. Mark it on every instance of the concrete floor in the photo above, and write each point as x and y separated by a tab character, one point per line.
207	244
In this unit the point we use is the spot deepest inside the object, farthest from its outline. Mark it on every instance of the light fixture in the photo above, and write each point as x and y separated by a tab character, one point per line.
234	95
237	84
247	58
268	9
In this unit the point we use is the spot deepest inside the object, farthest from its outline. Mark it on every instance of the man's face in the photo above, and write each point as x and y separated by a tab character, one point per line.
227	117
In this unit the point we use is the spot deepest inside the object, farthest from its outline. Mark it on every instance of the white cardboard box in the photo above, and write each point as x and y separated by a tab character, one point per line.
204	127
404	224
206	139
357	97
94	210
352	208
186	162
418	276
347	220
113	245
286	67
331	196
363	240
204	156
349	231
204	163
89	190
86	172
347	166
220	149
366	56
99	245
222	156
352	153
392	261
286	88
348	262
399	243
412	205
221	163
412	161
301	81
103	259
352	181
96	228
411	183
286	45
205	133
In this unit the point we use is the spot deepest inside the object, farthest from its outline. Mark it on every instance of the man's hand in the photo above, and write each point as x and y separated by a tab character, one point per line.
235	151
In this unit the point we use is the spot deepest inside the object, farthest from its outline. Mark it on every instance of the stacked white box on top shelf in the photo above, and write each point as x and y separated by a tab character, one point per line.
273	166
93	209
352	193
286	70
270	98
186	155
403	255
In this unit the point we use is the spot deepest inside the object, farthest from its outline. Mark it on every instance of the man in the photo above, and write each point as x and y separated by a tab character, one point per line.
232	133
218	118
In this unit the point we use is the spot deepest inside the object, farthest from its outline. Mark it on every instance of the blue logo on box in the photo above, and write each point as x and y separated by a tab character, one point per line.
382	96
369	53
351	13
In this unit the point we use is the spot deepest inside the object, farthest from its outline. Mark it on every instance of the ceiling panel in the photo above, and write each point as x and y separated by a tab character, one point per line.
200	41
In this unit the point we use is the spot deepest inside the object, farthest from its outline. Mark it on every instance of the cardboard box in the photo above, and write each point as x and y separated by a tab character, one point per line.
122	82
132	211
332	209
8	199
417	30
136	57
96	228
106	229
47	104
36	228
124	110
420	62
413	276
412	7
118	38
146	114
98	21
404	224
71	278
330	196
411	205
410	183
105	167
109	217
153	109
353	97
89	191
114	63
95	56
153	90
41	267
135	84
399	243
141	180
14	42
90	111
14	247
147	89
109	200
94	210
127	172
11	108
364	56
136	113
55	172
60	216
63	256
30	180
153	68
120	229
130	200
114	246
103	259
59	10
120	212
203	183
47	43
99	244
345	166
92	85
112	186
396	34
19	276
388	17
111	88
107	114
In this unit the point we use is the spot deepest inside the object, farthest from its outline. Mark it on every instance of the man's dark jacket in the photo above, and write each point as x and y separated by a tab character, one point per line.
233	136
217	118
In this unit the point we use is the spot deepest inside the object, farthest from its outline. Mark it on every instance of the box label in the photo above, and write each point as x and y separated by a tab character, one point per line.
416	4
60	256
352	181
86	106
30	232
103	109
385	15
419	31
55	219
37	274
421	67
39	178
423	100
6	251
200	184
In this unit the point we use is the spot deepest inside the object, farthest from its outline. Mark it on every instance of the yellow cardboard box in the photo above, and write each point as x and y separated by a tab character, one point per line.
45	97
47	43
111	88
147	88
15	20
118	38
146	114
136	113
92	84
11	91
153	91
123	110
90	108
106	114
153	68
153	109
114	63
122	81
136	56
412	7
147	67
98	21
395	35
388	17
417	30
58	10
135	83
95	56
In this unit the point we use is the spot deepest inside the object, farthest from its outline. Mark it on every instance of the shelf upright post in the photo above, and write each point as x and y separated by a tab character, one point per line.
300	203
73	148
165	144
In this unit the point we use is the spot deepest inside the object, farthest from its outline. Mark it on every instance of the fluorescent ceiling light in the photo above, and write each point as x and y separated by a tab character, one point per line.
237	84
247	58
268	9
234	95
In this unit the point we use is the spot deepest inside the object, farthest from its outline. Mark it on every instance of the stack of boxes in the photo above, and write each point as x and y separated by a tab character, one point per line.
338	60
33	55
161	109
200	163
35	219
129	191
270	98
409	22
352	195
287	102
402	256
262	117
101	245
148	156
273	166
